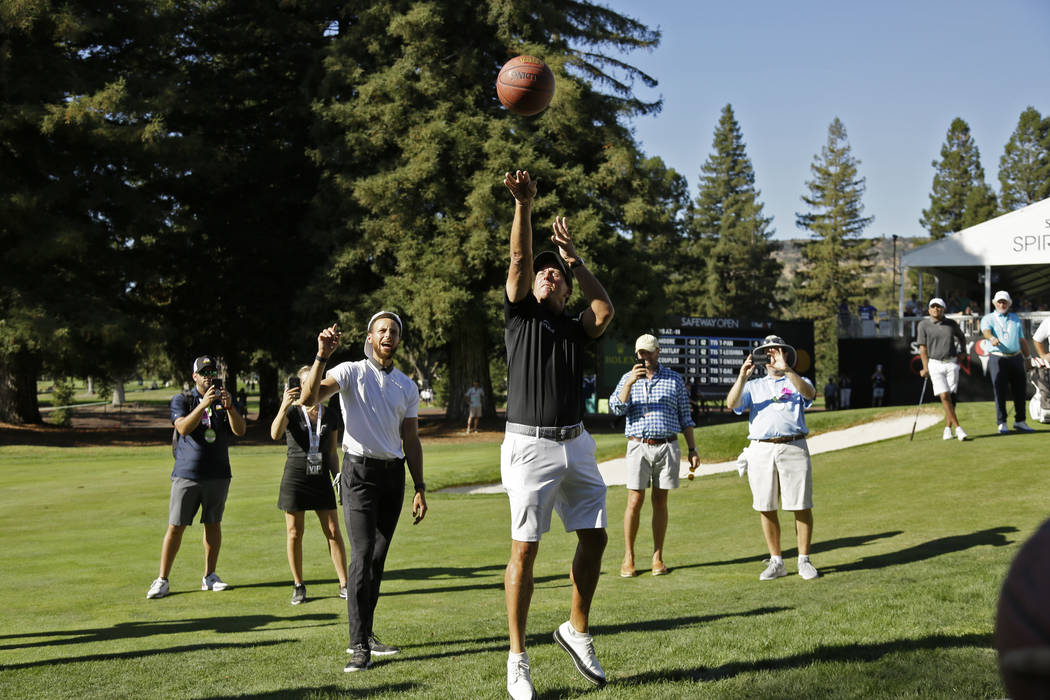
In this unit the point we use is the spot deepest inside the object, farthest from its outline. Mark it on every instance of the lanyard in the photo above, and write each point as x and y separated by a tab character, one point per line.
315	436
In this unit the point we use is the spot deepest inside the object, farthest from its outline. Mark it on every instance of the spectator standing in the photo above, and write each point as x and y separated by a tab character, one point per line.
942	346
1006	361
473	397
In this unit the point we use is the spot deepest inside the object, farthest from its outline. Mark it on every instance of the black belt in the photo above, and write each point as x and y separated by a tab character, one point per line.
654	441
786	438
373	462
561	434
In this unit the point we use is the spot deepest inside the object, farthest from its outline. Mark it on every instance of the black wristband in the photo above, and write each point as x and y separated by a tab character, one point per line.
322	360
576	263
692	449
421	486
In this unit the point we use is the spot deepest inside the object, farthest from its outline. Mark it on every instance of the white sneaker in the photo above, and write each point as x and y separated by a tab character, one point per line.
159	589
1022	427
774	570
1003	430
212	582
947	434
807	570
960	434
581	648
519	680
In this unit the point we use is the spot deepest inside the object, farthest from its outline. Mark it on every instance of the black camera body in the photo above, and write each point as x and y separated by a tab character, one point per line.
217	383
760	358
294	382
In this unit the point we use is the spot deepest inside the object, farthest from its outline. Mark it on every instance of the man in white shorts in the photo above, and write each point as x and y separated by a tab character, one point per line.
778	466
940	342
473	397
547	458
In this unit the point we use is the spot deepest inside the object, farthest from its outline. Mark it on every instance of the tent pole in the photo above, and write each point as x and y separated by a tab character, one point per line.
900	304
987	289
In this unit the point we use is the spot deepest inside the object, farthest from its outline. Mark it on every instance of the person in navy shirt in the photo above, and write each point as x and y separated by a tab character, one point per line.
203	419
656	403
778	465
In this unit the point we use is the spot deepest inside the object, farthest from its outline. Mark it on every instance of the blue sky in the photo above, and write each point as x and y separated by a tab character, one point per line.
896	73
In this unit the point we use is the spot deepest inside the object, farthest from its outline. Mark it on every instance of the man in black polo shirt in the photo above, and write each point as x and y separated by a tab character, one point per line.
203	421
547	458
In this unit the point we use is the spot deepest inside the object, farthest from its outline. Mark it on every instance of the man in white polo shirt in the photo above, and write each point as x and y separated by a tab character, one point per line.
941	342
380	411
778	466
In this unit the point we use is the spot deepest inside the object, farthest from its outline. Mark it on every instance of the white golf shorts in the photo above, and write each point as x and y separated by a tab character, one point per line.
658	465
944	376
541	475
780	473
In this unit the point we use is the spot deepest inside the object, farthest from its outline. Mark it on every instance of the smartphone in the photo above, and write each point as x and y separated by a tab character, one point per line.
294	382
217	383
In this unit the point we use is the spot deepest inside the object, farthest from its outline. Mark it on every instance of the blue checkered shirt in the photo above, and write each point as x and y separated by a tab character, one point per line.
658	407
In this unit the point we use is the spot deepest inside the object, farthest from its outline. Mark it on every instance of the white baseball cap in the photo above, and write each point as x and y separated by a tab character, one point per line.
937	301
646	342
1002	294
375	317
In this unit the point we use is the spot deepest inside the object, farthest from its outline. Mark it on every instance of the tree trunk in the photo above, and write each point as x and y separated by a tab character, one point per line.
18	402
118	391
269	393
468	360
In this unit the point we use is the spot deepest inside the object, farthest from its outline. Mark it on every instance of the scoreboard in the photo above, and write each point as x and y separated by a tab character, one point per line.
709	351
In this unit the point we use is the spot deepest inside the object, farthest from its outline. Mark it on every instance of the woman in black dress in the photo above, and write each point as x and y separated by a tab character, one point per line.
312	463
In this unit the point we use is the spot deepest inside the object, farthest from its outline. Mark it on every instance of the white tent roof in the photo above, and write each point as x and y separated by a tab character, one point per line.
1021	237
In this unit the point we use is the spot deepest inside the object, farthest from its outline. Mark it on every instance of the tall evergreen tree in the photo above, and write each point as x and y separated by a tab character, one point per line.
738	273
960	197
1024	168
835	257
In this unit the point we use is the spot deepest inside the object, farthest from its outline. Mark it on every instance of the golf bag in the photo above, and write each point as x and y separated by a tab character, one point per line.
1039	405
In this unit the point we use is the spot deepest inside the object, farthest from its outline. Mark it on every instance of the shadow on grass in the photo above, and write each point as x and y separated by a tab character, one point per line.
423	574
816	548
992	537
823	654
138	630
321	691
124	655
561	579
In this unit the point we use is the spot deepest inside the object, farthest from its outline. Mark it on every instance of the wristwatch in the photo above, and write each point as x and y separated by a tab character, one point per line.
421	486
576	263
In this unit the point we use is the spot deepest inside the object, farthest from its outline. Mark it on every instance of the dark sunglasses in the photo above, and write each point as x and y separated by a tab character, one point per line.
209	373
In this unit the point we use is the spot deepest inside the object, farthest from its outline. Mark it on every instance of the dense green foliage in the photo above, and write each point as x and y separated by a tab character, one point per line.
1024	168
960	197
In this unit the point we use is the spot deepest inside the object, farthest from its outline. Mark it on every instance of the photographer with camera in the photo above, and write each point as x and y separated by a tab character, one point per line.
311	465
203	419
656	403
778	466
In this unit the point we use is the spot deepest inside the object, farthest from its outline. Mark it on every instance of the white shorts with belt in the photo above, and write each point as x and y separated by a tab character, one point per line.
541	475
944	376
780	473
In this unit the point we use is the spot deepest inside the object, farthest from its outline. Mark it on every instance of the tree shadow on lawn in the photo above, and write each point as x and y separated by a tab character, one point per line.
816	548
560	581
427	573
138	630
992	537
321	690
125	655
838	653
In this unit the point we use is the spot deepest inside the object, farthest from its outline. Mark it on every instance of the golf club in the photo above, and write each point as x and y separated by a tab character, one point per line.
921	396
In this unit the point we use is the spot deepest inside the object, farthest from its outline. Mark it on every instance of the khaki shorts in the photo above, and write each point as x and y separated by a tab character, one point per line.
658	465
475	412
541	475
780	473
944	376
187	496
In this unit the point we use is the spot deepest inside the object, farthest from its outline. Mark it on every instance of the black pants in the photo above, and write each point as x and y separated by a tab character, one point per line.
372	498
1008	380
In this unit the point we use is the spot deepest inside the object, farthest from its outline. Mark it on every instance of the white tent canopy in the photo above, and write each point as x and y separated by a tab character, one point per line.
1016	244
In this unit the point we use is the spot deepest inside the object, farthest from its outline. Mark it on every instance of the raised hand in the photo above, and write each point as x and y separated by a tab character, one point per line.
328	340
521	186
563	240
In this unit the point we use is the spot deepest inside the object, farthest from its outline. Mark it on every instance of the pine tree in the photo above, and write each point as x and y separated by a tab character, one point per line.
737	273
960	196
834	260
1024	168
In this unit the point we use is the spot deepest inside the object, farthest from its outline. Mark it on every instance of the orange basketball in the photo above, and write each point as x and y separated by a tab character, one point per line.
525	85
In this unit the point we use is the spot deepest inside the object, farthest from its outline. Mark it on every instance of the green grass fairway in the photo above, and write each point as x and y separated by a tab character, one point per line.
912	540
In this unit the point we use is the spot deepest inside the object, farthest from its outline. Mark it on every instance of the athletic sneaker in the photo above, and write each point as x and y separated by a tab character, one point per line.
342	592
775	569
299	593
581	648
947	434
212	582
1003	430
960	434
1022	427
361	659
158	589
519	680
807	570
380	649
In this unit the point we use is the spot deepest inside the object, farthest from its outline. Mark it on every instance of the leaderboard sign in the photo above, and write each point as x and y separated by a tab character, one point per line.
709	351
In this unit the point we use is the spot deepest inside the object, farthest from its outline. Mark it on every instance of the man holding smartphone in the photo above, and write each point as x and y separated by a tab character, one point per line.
203	419
656	403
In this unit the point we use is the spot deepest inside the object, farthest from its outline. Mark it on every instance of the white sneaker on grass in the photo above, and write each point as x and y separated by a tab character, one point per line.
807	570
212	582
960	434
580	646
947	434
775	569
519	679
158	589
1003	430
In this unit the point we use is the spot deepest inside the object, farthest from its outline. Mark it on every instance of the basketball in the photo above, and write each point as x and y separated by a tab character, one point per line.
525	85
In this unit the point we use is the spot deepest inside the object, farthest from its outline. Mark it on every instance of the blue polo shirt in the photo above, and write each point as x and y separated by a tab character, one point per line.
195	457
777	408
1007	328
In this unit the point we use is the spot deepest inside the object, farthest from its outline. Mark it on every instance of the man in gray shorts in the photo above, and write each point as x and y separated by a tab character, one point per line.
200	480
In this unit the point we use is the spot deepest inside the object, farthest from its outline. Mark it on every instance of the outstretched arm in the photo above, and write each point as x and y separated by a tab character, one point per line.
519	274
599	313
315	390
